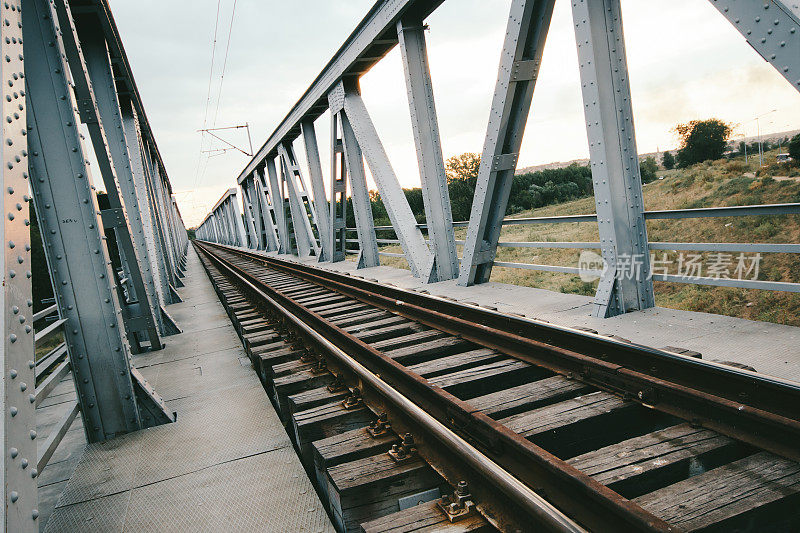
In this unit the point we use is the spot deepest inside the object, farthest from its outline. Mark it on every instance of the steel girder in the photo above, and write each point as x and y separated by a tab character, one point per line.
353	171
425	125
321	207
278	198
419	258
299	205
110	395
772	28
93	111
20	505
614	158
266	211
528	24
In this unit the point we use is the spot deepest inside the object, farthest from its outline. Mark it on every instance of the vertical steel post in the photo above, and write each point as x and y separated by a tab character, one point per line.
337	233
321	207
298	202
20	506
419	258
359	194
98	67
134	140
425	125
136	314
625	284
251	215
528	24
278	208
265	203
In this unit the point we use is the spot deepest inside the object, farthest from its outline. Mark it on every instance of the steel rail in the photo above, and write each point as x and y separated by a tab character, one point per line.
591	503
759	410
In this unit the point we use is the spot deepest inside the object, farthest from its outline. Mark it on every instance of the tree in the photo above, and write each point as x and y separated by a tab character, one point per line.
668	161
462	177
794	148
647	169
702	140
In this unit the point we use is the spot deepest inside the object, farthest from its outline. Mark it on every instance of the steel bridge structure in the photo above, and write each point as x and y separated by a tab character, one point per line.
118	253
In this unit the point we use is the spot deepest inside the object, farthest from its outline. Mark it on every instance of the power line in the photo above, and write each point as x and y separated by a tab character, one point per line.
224	64
208	94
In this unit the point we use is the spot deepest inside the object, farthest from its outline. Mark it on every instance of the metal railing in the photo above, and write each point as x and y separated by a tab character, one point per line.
50	370
671	214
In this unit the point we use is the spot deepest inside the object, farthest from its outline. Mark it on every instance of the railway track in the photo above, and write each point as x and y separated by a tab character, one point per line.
417	413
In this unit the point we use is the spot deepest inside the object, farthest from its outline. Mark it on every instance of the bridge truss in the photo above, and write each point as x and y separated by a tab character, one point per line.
772	28
114	268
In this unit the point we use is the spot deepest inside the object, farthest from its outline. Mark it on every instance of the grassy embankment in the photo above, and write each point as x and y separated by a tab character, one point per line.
709	184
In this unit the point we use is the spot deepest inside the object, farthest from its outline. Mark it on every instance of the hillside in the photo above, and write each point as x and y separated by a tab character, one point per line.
709	184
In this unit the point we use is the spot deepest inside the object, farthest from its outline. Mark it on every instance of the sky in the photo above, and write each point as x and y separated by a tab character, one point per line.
685	62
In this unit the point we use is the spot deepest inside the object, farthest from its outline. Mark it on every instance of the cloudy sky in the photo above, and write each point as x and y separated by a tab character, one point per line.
685	62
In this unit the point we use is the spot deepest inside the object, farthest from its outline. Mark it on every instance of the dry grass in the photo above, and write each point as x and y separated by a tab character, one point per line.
710	184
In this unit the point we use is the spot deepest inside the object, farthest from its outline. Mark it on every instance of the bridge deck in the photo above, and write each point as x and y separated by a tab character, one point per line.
227	463
771	349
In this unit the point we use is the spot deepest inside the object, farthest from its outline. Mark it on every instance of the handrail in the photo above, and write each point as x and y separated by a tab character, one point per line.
56	435
44	312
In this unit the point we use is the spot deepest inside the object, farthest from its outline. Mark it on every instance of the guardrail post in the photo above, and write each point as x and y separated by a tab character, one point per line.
438	215
359	194
299	205
321	207
625	285
528	24
419	258
20	493
113	401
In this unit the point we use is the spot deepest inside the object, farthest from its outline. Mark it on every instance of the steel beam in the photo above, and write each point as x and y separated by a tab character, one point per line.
299	205
278	208
425	125
336	238
19	472
772	28
528	24
321	207
614	158
359	193
131	126
136	313
253	227
419	258
267	211
368	40
71	229
98	67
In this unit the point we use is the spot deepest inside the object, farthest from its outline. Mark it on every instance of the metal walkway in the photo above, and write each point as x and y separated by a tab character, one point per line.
227	463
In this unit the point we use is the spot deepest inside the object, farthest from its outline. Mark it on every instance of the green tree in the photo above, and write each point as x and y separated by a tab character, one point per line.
794	148
668	161
647	169
702	140
462	176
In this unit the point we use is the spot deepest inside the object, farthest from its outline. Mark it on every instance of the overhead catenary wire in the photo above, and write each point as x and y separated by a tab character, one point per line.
208	93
